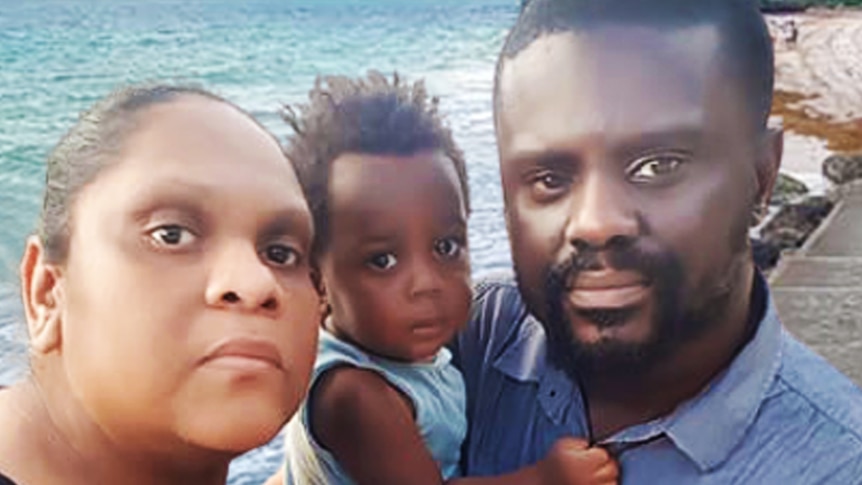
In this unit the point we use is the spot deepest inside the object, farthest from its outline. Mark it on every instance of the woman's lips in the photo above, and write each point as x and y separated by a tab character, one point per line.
244	354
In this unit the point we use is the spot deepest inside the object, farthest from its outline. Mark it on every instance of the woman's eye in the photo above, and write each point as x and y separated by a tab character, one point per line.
282	255
650	169
383	261
448	247
172	235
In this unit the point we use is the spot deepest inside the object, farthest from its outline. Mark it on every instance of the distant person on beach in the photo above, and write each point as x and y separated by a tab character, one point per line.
792	33
388	191
635	155
172	318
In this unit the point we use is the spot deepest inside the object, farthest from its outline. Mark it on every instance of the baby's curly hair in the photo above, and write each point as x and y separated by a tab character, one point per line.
371	115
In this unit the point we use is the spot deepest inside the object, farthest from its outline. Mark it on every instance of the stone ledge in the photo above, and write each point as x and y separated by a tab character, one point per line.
820	272
828	320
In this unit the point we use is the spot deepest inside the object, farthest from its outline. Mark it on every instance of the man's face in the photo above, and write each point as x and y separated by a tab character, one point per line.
628	165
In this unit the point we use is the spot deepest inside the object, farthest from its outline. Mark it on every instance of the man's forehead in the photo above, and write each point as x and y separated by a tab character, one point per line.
610	78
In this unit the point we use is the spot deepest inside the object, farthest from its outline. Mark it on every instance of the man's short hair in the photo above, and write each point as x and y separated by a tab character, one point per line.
746	44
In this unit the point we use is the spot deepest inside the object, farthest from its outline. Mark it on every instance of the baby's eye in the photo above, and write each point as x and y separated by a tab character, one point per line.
172	235
651	169
449	248
383	261
551	181
282	255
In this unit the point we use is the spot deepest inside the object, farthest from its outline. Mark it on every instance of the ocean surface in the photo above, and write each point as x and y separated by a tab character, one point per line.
57	57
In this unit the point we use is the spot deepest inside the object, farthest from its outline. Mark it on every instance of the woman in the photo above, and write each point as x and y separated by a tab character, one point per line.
171	316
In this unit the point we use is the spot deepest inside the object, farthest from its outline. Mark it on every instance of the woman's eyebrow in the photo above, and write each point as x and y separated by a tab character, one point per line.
290	218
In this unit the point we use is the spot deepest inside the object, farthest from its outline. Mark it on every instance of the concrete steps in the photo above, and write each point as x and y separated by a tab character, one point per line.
818	291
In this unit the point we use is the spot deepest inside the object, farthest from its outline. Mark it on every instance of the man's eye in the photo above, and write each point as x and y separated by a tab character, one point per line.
650	169
449	248
172	235
282	255
383	261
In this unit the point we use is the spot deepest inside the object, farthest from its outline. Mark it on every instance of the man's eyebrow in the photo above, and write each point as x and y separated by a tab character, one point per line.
683	137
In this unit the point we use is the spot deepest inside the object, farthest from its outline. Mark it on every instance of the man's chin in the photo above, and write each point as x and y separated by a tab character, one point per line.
628	325
605	343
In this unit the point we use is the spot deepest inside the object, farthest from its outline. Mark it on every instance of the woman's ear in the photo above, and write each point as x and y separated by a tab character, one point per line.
42	294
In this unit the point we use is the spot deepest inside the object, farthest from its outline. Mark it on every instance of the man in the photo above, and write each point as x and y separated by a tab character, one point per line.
634	157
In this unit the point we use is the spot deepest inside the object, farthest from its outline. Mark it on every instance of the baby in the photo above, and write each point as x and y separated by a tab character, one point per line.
388	192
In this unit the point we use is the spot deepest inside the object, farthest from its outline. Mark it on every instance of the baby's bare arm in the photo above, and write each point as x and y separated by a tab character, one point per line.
370	429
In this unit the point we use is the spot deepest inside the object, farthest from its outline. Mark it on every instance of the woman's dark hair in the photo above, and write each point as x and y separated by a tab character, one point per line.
91	145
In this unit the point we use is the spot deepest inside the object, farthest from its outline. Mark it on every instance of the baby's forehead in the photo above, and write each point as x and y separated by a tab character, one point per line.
393	187
372	176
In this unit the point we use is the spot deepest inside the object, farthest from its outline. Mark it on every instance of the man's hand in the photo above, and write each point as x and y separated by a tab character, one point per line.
572	462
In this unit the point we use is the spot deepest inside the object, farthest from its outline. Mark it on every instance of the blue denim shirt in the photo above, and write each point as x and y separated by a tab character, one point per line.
779	414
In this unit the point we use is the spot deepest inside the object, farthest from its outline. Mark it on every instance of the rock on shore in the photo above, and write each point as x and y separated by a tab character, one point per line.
844	168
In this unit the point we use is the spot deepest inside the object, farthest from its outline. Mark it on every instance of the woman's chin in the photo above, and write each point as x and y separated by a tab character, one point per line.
235	429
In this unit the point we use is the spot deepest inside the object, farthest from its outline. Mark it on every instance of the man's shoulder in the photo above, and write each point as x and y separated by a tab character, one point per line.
496	316
495	284
809	390
497	304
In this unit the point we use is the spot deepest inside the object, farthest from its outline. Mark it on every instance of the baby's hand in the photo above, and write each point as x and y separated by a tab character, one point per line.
572	462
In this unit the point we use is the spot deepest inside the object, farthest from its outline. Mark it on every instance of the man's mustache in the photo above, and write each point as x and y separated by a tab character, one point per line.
632	255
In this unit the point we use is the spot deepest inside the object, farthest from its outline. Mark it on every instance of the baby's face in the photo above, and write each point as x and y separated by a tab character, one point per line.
396	267
190	318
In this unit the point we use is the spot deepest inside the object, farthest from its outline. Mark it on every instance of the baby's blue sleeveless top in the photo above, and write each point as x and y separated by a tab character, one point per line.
436	390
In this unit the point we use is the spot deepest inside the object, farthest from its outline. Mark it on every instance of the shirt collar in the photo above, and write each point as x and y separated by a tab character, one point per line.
706	428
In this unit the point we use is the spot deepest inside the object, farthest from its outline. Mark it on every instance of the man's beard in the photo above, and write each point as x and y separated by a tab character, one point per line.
678	316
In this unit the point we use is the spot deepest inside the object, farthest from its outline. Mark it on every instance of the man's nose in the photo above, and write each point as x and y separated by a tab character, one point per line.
239	280
601	214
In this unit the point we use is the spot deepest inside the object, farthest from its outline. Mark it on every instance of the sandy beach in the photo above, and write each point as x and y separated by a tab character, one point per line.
825	62
818	88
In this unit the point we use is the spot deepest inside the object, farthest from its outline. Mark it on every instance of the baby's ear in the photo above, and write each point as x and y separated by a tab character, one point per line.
320	286
43	298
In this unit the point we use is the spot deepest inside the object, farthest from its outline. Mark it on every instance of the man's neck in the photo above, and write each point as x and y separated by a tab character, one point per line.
62	446
678	378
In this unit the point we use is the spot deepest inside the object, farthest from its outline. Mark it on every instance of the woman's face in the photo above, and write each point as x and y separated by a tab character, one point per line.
189	317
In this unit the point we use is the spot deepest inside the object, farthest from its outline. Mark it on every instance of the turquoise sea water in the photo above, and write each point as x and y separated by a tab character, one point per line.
57	57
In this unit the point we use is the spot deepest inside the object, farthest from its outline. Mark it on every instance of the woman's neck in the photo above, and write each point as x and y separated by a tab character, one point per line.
54	441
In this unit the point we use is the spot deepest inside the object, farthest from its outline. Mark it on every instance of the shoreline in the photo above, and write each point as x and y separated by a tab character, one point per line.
818	101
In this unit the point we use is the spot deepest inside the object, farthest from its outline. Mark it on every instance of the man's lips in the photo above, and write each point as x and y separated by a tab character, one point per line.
244	352
608	289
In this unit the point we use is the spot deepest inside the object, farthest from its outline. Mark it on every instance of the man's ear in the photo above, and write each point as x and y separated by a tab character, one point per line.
768	163
42	293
